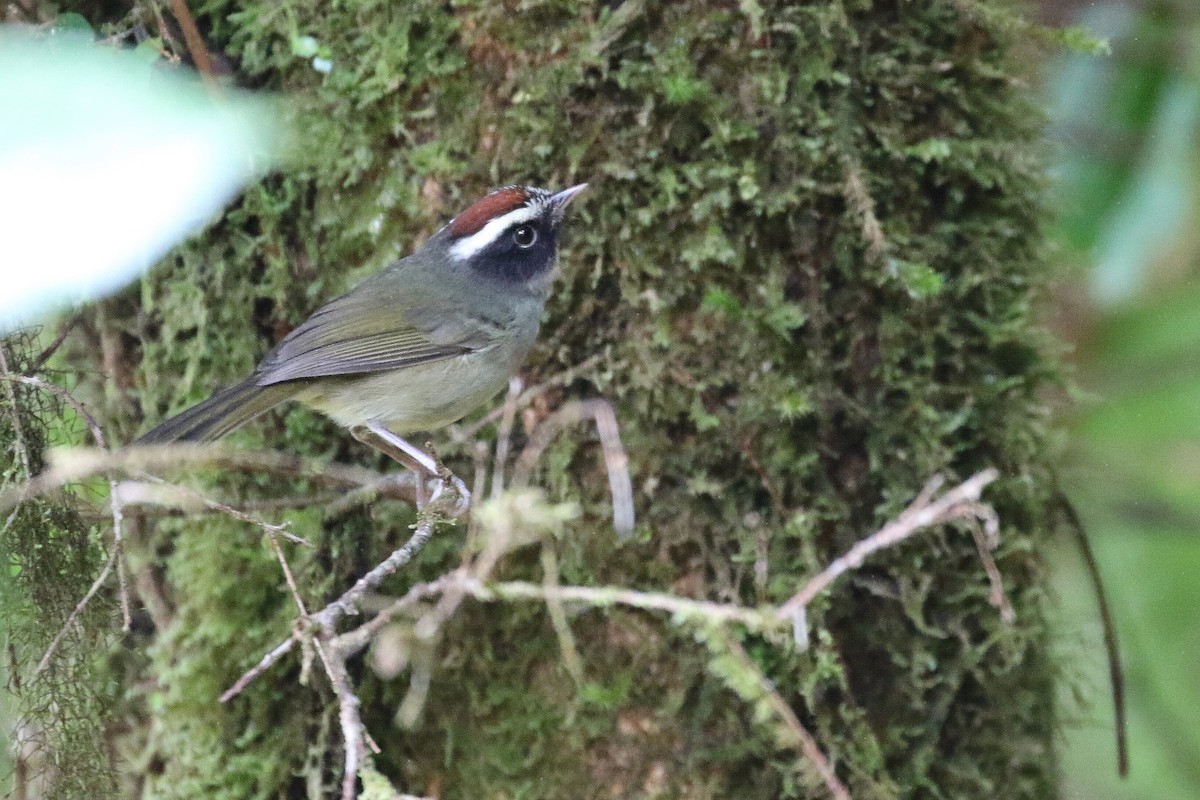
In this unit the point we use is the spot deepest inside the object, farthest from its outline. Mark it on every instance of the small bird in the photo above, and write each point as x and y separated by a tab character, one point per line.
419	344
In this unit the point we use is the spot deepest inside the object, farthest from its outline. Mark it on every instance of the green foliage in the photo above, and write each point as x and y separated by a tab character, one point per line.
1128	189
765	367
48	557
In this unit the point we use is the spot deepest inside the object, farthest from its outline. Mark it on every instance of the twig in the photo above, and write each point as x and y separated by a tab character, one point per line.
287	574
118	518
354	640
335	667
388	485
77	464
77	611
195	42
353	733
961	501
504	436
348	602
681	608
270	529
1116	675
998	597
804	741
278	652
52	348
558	615
615	460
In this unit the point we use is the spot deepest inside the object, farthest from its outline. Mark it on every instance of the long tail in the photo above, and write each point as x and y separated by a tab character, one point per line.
220	414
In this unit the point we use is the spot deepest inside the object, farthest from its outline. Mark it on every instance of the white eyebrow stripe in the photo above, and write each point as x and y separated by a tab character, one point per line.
469	246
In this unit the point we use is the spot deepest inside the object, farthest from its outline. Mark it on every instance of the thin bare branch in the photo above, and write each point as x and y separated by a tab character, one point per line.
76	612
268	660
354	640
615	460
558	614
349	601
133	492
353	733
1116	674
984	545
504	436
804	741
63	332
681	608
195	42
959	502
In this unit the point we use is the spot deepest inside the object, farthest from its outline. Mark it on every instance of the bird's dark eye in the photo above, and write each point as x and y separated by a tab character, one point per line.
525	236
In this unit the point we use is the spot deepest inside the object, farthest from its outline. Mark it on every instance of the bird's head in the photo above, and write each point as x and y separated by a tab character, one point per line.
511	234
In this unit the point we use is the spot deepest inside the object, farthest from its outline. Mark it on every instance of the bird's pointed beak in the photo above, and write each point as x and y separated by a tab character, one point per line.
560	201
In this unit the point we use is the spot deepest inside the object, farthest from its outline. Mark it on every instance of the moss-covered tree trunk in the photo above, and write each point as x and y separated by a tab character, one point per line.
804	273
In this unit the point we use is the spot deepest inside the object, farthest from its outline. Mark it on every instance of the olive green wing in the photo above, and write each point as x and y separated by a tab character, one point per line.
372	331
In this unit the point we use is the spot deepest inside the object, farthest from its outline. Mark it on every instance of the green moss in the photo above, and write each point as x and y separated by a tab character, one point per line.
766	363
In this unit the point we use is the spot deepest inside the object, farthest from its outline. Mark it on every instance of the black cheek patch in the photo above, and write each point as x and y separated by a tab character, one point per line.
503	259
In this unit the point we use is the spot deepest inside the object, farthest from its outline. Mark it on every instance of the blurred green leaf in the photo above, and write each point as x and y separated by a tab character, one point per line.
106	162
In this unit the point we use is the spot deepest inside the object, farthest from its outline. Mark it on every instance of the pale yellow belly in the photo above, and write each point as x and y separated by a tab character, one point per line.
419	398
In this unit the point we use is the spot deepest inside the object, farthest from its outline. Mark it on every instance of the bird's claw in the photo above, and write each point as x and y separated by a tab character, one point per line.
464	494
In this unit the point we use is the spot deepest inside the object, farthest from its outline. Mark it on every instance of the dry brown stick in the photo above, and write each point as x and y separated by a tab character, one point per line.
804	741
961	501
615	461
195	42
1116	674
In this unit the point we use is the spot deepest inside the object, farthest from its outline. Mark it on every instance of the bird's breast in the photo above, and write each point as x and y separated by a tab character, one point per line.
422	397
